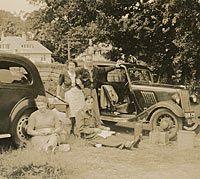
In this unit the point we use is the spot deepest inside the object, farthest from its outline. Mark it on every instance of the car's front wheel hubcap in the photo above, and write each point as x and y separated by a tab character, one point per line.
166	123
22	128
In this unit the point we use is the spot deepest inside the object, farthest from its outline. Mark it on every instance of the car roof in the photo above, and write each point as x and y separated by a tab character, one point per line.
111	63
17	59
128	65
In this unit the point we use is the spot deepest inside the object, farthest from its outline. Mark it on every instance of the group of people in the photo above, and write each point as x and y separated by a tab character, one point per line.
77	86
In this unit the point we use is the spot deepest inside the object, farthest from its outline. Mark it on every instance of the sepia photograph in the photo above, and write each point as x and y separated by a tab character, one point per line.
99	89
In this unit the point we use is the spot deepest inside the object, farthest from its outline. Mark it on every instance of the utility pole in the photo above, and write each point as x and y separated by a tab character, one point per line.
68	48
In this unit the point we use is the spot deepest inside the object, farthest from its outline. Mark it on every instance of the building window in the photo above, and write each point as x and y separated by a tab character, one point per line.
5	46
27	46
43	58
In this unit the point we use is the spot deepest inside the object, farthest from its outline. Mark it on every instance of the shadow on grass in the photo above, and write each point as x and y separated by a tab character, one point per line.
123	130
6	145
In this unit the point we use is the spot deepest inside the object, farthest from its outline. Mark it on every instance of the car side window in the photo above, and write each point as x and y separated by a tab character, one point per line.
117	75
11	73
138	75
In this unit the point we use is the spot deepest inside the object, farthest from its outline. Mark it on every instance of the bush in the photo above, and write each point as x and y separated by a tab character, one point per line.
43	171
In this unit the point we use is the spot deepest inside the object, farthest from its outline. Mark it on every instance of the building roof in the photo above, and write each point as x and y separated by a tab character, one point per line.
38	48
96	57
20	45
97	51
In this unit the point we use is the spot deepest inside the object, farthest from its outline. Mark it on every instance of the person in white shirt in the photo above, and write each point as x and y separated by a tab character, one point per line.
67	84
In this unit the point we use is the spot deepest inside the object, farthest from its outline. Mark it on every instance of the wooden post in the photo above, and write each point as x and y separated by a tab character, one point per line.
138	129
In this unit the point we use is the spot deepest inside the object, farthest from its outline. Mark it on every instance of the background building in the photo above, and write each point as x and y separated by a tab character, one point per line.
31	49
96	51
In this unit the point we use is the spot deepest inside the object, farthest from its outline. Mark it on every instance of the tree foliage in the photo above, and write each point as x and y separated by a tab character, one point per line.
10	24
164	34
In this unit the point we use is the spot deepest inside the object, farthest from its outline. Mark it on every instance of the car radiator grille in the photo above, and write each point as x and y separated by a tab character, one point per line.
149	97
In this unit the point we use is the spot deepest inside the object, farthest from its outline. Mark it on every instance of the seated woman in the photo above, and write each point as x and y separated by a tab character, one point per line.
44	126
89	127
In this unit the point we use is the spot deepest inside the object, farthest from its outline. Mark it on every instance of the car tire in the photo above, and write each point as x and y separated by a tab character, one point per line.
19	126
197	130
165	116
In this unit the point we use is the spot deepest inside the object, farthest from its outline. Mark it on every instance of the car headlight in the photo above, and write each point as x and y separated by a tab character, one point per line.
193	98
176	98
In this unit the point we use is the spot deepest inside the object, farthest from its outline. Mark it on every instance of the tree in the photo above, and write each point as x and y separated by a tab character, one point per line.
161	33
164	34
62	21
10	24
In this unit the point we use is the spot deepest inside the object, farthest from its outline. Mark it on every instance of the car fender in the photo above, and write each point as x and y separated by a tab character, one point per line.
22	105
172	106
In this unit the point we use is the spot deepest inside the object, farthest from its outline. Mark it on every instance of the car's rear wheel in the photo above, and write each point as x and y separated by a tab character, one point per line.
165	120
19	128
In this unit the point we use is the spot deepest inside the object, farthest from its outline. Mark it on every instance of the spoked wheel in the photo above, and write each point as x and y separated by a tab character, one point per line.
22	127
19	128
164	120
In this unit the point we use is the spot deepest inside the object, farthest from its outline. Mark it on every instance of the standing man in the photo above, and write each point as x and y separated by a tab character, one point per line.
88	76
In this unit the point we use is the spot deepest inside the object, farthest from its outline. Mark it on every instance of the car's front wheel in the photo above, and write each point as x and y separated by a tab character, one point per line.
164	120
19	127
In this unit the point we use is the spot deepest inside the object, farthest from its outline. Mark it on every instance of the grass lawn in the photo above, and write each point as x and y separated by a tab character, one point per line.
85	162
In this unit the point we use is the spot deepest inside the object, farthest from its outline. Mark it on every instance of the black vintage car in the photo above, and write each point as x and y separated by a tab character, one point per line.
128	95
20	83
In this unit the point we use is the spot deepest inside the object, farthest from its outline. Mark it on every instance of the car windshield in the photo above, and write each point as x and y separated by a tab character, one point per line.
139	75
117	75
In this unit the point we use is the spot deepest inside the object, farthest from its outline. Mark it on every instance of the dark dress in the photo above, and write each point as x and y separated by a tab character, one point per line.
86	122
65	81
89	80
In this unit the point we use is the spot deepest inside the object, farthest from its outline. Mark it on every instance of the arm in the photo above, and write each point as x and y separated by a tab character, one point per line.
99	124
104	128
58	90
105	69
58	126
79	83
79	72
31	127
34	133
82	128
60	82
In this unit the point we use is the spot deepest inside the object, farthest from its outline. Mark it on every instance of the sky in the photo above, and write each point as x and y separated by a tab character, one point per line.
17	6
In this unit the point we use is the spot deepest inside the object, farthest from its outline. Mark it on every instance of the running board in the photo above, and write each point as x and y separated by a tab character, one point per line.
133	124
124	122
2	136
113	119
